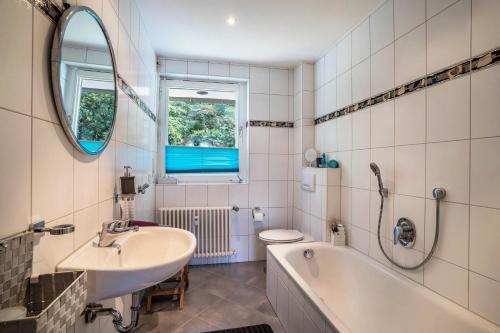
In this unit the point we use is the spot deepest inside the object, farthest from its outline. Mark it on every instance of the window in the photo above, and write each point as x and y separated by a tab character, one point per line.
204	134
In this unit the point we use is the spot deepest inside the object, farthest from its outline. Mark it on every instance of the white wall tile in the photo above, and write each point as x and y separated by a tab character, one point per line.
483	297
259	107
240	244
49	250
484	245
319	73
382	27
409	257
278	194
410	56
447	101
238	195
278	107
176	66
52	171
256	248
239	71
15	132
218	195
382	70
484	21
197	67
278	140
447	280
407	15
360	239
410	119
86	225
453	244
361	42
344	55
485	163
344	95
259	166
384	158
86	180
345	204
436	6
382	125
43	31
361	208
218	69
485	118
331	64
448	36
15	86
361	81
259	80
174	195
330	92
409	164
278	167
196	195
447	166
259	140
361	169
258	194
278	81
361	129
344	133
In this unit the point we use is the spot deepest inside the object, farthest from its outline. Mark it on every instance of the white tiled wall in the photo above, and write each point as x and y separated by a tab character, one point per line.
270	158
446	135
42	174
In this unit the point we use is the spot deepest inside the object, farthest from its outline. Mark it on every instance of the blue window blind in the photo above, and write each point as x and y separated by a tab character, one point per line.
181	159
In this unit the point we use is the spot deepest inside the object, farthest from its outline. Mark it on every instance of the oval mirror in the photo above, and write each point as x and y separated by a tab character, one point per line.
84	79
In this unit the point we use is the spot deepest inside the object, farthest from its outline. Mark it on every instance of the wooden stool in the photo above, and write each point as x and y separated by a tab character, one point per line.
179	282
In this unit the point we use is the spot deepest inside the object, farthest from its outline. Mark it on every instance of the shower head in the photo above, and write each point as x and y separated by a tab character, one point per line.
375	169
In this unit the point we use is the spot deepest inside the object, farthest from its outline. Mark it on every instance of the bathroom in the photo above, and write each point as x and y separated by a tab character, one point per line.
341	177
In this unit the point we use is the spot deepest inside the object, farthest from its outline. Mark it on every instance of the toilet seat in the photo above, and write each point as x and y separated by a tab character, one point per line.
281	236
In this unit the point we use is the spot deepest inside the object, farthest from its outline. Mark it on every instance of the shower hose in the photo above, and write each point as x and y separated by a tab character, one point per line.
436	236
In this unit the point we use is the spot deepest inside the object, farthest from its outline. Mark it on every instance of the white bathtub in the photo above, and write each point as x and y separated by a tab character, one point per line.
342	290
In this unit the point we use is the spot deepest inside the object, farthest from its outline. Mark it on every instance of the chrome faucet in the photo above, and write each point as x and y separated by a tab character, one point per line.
111	230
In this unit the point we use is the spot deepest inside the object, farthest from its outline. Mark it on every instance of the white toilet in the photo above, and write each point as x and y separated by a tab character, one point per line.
282	236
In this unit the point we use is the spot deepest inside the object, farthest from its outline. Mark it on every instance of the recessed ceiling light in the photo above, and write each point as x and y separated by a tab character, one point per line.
202	92
231	20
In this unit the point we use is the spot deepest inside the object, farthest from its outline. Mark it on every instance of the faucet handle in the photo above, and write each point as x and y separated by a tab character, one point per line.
397	234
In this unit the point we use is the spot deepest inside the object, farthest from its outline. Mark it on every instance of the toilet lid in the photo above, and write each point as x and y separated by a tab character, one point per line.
281	235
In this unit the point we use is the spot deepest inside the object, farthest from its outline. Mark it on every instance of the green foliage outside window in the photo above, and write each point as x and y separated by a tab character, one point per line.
96	115
205	124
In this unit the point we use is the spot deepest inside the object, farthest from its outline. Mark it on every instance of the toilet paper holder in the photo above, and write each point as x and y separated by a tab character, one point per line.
256	211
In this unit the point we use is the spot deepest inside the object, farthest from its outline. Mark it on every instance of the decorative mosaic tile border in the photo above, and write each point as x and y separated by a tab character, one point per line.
485	60
267	123
16	259
54	12
133	96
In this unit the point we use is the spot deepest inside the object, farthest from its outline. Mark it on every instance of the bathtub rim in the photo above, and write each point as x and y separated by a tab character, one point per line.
279	252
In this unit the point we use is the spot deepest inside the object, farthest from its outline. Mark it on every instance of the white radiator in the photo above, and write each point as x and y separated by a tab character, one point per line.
210	225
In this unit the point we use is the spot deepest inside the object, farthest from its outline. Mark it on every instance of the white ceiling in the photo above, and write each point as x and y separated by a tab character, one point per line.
273	32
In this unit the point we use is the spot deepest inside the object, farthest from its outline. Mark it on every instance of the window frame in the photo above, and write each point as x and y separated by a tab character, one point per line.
240	87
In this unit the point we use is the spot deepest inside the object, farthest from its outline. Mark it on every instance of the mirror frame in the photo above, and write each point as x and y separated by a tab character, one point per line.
55	64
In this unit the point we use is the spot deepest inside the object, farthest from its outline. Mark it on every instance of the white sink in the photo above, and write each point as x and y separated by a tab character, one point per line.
147	257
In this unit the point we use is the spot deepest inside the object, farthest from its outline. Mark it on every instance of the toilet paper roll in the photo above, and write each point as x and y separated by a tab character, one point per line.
258	216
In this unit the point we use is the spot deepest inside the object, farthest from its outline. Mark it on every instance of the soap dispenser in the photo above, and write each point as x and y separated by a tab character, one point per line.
128	182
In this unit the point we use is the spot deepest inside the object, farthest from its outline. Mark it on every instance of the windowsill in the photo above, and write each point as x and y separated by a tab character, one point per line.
201	179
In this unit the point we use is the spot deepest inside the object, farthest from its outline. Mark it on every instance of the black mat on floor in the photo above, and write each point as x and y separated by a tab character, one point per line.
264	328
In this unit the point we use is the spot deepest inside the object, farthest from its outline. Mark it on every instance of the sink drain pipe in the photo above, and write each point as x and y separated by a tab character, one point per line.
94	310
